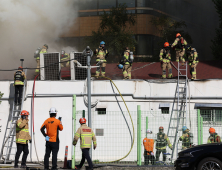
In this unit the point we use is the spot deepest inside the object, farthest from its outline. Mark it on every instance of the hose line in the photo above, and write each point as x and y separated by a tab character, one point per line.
130	119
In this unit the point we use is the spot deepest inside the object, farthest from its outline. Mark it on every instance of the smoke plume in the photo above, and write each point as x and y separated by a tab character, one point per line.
26	25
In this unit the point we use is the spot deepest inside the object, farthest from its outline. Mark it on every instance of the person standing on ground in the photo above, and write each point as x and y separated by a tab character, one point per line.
52	126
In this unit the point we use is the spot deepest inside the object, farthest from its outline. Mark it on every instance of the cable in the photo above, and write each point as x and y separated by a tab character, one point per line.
130	119
123	115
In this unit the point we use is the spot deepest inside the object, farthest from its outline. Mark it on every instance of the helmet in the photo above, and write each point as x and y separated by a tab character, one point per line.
149	131
166	44
161	129
20	68
178	35
82	120
184	128
24	113
63	52
46	46
53	110
102	42
120	66
212	130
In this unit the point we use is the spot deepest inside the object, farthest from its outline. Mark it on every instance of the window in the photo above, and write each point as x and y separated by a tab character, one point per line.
101	111
84	5
107	4
211	116
165	110
129	3
145	44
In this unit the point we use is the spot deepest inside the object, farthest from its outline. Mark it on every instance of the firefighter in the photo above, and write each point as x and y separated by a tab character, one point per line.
179	45
65	57
101	56
44	49
165	58
213	138
52	126
86	136
192	55
161	143
148	144
186	138
19	77
127	61
22	138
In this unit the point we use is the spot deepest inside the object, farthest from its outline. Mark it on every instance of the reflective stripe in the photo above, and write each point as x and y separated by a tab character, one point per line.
84	145
161	53
94	142
87	135
97	72
93	134
193	72
19	83
161	59
20	129
77	135
162	147
124	72
37	70
19	123
21	140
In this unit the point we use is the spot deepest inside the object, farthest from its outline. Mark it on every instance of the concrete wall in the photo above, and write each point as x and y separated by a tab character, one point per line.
64	107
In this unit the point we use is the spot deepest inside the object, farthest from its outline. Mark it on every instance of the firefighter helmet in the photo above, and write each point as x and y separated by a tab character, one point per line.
45	45
120	66
63	52
53	110
102	43
211	130
178	35
82	120
24	113
20	68
161	129
184	128
166	44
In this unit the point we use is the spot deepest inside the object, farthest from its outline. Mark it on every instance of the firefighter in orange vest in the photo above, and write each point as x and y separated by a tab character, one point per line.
179	45
148	148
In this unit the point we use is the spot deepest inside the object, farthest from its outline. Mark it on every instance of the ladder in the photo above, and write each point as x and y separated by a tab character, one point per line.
10	132
179	108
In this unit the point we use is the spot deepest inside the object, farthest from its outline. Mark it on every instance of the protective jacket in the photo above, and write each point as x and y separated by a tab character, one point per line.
22	131
162	141
165	56
101	54
19	77
186	140
52	126
192	56
65	57
86	136
179	44
126	58
148	145
214	138
43	50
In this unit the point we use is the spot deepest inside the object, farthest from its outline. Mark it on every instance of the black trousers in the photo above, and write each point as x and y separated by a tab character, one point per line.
54	148
21	148
85	155
148	158
158	152
18	93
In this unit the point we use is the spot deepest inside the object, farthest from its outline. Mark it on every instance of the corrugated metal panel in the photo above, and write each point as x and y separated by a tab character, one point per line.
164	105
199	105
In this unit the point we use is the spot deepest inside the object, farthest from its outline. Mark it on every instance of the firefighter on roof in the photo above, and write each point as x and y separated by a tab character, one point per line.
39	51
65	59
127	61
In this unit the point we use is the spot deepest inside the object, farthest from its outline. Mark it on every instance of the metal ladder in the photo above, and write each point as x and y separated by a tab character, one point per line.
179	108
10	131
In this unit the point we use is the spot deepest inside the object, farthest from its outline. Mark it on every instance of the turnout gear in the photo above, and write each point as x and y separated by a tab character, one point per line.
148	150
186	138
37	56
19	77
165	58
179	45
214	138
22	131
65	59
127	61
102	54
161	143
192	56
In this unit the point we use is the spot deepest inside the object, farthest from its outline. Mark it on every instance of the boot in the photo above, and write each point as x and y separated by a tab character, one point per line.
103	74
97	74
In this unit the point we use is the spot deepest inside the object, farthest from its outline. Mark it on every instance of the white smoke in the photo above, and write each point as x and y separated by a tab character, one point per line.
26	25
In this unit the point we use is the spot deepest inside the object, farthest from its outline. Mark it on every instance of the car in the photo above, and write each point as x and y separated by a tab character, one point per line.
200	157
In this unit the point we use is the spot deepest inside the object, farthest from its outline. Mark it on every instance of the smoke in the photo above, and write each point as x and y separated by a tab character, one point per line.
26	25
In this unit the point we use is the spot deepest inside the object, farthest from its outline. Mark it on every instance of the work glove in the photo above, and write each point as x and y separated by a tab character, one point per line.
94	147
47	138
60	118
30	141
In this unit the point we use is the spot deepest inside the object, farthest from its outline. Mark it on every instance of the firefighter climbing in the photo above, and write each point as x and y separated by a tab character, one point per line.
186	138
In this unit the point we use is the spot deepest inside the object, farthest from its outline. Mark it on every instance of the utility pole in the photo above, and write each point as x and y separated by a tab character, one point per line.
22	62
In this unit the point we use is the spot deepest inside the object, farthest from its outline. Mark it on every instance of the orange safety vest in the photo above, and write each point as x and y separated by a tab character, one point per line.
148	145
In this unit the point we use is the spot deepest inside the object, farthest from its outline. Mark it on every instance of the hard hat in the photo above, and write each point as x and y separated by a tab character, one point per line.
20	68
166	44
52	110
120	66
62	52
82	120
102	42
46	46
161	128
212	130
24	113
184	128
149	131
178	35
